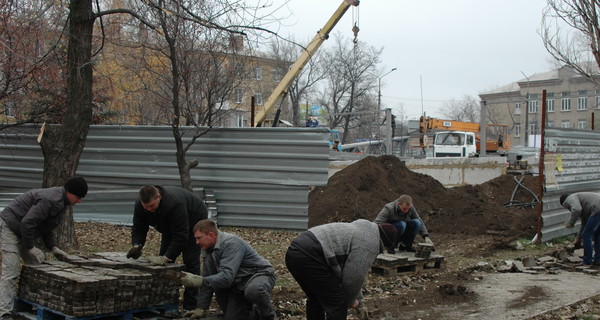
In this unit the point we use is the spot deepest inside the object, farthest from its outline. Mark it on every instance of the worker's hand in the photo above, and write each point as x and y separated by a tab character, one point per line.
59	254
429	242
195	314
363	313
361	310
135	252
38	255
577	243
568	225
191	280
158	260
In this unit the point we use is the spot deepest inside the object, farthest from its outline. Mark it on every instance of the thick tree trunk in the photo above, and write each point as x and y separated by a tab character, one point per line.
62	145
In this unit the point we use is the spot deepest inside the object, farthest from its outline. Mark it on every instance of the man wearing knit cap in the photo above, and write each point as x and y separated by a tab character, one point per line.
35	213
330	263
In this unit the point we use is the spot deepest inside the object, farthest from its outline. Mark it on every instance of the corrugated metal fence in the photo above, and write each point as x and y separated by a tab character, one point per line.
572	165
261	177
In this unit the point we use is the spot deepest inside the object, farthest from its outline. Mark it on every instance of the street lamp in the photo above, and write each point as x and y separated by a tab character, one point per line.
379	90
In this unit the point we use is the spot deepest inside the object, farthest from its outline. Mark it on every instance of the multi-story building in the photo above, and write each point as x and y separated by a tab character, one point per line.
571	102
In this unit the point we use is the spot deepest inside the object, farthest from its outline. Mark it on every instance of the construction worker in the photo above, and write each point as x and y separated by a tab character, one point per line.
330	263
172	211
239	277
585	205
35	213
402	214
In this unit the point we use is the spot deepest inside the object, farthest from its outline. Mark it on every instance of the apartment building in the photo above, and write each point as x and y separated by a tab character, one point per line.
572	101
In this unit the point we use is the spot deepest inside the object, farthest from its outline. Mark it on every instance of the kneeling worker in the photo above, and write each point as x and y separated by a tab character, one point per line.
239	277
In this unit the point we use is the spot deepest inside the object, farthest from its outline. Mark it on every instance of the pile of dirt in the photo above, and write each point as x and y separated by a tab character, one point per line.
360	191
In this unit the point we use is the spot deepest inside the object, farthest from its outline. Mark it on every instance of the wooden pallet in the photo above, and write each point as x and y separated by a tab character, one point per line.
33	311
405	262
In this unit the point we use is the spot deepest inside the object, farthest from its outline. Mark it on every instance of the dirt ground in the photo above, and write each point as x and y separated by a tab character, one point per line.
470	227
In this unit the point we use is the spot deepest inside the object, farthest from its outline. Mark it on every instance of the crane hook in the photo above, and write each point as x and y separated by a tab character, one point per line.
355	29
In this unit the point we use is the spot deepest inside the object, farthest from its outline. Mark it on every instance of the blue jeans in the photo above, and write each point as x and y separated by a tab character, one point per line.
407	231
591	233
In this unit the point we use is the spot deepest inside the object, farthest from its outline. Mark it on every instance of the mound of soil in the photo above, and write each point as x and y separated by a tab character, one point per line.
360	191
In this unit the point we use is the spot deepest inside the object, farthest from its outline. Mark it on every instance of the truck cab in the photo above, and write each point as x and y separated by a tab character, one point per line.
458	144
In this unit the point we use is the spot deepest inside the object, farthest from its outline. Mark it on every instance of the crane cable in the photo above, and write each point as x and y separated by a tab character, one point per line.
355	23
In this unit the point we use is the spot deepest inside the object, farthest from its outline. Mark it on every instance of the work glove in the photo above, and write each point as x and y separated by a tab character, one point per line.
429	242
59	254
194	314
568	225
135	252
38	255
191	280
157	260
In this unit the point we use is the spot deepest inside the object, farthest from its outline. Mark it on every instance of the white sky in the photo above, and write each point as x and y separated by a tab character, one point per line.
457	47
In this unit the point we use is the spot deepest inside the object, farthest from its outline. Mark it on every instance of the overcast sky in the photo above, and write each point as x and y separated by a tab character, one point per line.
454	48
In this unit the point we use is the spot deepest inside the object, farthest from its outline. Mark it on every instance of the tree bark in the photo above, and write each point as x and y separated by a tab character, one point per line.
62	145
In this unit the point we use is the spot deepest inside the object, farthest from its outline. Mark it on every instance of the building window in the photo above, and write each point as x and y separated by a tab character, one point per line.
239	95
550	105
239	120
258	99
276	75
533	128
565	124
517	130
518	108
597	105
581	124
582	103
534	106
565	104
258	73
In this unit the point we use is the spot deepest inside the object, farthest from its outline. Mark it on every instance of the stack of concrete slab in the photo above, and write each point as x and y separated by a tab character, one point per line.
100	285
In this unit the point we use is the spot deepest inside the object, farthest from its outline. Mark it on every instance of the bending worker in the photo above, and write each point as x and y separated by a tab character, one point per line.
35	213
330	263
173	212
585	205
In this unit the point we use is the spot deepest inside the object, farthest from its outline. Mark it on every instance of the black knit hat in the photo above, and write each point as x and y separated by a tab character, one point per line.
387	233
77	186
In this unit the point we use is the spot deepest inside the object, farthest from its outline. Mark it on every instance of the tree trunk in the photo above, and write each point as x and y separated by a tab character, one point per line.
62	145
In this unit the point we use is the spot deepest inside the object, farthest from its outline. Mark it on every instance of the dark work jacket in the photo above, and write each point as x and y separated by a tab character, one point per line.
36	213
175	217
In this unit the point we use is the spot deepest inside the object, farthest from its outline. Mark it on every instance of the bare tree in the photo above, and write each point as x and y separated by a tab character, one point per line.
467	109
63	144
352	73
571	34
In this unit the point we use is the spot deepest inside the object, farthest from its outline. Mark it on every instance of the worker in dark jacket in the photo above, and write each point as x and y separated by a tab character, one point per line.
239	277
585	205
35	213
403	215
330	263
173	212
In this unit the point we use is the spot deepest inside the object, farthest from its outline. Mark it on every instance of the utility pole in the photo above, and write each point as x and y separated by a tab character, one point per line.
379	90
526	131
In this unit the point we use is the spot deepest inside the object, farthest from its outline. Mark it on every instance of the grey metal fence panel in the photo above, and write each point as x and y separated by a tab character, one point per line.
580	154
260	176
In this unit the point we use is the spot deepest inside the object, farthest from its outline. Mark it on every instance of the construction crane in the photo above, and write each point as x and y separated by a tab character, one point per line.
285	83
